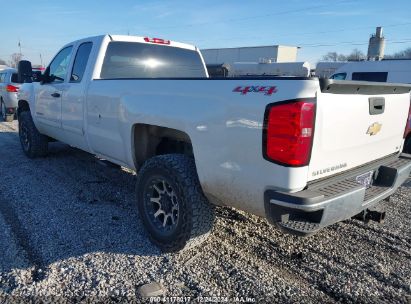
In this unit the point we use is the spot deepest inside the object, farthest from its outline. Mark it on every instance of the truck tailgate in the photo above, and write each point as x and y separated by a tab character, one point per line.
356	123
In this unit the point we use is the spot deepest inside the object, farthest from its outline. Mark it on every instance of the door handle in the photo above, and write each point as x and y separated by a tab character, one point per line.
56	95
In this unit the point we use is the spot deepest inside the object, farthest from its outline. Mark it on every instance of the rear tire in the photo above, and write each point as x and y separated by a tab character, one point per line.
34	143
6	117
171	204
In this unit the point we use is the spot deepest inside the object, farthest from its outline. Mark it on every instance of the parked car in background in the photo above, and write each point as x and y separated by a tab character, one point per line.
37	71
9	87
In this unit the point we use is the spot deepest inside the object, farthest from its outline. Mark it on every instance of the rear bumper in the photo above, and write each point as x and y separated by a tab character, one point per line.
10	100
335	199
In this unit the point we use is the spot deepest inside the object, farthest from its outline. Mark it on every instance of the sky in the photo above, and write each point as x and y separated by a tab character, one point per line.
317	26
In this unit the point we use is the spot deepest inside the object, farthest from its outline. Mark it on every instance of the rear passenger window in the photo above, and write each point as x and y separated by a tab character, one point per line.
14	78
1	77
370	76
80	62
141	60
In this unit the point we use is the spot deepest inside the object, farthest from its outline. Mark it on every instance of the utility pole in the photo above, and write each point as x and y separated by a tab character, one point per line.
41	60
20	47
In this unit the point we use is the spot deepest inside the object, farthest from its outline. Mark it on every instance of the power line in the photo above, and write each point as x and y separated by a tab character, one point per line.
351	29
354	43
235	20
309	33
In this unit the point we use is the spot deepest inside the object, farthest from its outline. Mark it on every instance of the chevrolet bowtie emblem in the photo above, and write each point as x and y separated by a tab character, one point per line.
374	128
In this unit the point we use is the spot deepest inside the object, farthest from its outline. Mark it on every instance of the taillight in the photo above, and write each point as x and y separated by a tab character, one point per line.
12	89
156	40
408	126
288	132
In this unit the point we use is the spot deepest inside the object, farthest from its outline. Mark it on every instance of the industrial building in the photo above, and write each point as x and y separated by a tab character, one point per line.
266	54
376	45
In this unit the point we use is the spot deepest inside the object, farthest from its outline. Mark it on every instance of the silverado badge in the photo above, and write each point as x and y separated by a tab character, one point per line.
374	128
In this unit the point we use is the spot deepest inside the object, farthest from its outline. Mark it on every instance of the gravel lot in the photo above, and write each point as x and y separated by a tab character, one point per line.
69	229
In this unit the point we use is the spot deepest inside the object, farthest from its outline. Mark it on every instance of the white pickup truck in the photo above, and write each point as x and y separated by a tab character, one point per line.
302	152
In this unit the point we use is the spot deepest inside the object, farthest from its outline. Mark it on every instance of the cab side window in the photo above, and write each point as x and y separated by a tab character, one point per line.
339	76
80	62
58	67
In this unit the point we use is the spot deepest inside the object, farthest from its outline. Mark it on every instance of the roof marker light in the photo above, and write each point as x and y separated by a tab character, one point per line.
156	40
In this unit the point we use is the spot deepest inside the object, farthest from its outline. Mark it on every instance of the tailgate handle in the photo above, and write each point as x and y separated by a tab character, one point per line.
377	105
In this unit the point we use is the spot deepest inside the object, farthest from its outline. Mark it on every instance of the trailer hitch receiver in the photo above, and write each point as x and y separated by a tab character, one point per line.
368	215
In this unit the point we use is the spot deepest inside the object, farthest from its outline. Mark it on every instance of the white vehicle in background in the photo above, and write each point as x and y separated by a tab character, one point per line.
302	152
9	87
239	69
394	71
299	69
324	69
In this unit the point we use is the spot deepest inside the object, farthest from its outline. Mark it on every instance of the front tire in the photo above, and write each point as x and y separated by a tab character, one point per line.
34	143
171	204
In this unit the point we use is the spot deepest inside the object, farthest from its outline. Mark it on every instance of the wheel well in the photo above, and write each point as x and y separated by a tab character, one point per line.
151	140
23	106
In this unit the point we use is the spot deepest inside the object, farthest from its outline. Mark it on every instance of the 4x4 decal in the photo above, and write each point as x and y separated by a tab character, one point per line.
255	89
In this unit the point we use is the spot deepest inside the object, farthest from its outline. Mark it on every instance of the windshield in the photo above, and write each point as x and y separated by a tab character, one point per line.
339	76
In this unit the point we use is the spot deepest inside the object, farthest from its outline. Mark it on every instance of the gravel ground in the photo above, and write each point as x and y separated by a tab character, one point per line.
69	230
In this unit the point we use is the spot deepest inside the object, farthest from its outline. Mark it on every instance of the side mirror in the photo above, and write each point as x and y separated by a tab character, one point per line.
24	72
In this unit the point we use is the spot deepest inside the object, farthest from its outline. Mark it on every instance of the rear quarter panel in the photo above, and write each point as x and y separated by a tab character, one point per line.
225	128
9	98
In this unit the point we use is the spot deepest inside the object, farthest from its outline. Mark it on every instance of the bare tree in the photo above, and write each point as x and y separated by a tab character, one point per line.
342	57
405	54
3	62
356	55
330	56
334	56
15	58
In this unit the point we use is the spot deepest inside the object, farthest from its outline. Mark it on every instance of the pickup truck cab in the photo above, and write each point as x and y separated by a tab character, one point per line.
300	152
